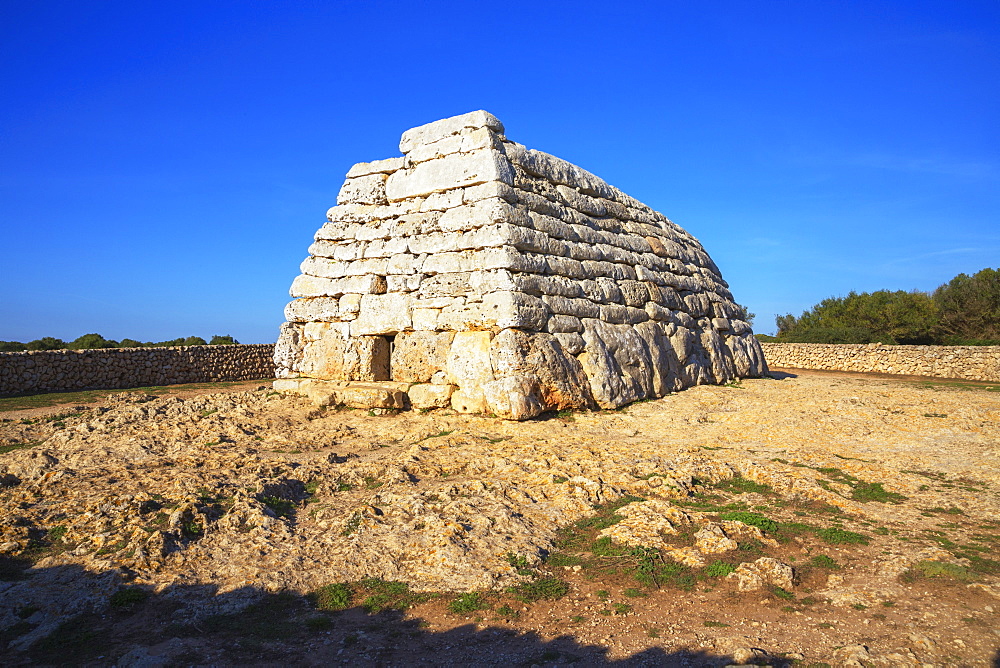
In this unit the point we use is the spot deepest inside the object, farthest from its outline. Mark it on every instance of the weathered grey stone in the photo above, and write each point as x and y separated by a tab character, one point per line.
363	190
430	396
386	166
416	356
468	366
312	309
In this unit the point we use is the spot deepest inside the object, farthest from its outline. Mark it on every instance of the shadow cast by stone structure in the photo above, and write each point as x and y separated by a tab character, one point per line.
65	615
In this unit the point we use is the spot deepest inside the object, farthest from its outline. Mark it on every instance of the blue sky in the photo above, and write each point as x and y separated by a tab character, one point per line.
163	166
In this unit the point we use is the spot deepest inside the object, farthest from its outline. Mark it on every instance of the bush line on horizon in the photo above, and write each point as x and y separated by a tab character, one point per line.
962	312
95	341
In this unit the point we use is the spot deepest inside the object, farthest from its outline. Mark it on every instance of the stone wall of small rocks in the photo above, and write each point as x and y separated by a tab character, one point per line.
113	368
966	362
479	274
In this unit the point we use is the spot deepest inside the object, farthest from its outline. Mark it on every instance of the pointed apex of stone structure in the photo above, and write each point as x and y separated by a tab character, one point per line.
478	274
449	127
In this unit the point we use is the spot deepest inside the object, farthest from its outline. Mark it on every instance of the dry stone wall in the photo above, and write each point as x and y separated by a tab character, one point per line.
475	273
967	362
114	368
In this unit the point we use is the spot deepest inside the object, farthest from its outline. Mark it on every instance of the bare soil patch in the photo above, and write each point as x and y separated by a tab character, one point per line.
810	520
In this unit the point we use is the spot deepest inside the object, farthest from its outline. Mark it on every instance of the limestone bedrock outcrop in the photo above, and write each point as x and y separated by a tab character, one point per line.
475	273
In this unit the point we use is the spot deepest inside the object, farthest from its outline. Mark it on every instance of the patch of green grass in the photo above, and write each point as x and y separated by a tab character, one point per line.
941	569
558	479
653	632
751	519
547	588
466	603
953	510
4	449
520	562
621	608
352	524
824	561
508	612
281	507
838	536
719	569
319	623
127	597
444	432
603	594
740	485
332	597
983	565
867	492
557	559
386	594
935	415
632	592
711	623
783	594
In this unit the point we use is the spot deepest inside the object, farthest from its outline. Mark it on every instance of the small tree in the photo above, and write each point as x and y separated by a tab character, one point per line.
970	307
222	341
194	341
89	341
46	343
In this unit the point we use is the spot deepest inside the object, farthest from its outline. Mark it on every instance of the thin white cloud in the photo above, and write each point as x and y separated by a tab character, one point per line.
975	170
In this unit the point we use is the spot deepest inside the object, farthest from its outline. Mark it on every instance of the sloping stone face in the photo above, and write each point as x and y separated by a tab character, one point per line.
478	273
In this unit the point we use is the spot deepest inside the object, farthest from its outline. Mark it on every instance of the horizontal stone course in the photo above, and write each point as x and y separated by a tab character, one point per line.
965	362
120	368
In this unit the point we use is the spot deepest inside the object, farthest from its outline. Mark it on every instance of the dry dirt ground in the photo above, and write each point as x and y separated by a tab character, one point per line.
810	519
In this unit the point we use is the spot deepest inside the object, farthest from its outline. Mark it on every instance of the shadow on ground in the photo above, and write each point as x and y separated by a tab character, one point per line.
65	615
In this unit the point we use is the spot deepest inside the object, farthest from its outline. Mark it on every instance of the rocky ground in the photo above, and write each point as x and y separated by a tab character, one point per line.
809	519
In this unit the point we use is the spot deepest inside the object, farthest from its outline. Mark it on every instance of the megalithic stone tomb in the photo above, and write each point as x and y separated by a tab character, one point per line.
477	274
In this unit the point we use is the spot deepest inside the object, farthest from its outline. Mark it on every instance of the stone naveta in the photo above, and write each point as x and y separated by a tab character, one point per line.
475	273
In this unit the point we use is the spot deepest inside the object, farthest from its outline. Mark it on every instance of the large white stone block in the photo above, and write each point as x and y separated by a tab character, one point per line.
450	172
437	130
383	314
363	190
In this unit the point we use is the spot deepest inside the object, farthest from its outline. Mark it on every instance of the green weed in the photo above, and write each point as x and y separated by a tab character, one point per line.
838	536
332	597
468	603
719	569
752	519
823	561
548	588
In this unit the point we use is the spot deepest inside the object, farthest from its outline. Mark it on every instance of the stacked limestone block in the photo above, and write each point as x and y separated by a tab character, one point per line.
474	273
